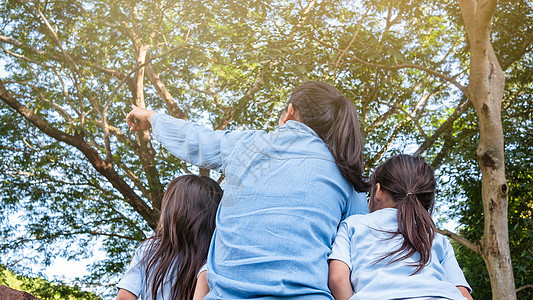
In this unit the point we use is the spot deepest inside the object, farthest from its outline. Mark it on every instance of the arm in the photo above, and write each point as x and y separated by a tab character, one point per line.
188	141
132	283
201	287
340	264
339	280
454	273
125	295
465	292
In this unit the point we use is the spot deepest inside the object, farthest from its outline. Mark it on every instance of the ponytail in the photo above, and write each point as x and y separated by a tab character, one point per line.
418	230
334	118
411	183
345	144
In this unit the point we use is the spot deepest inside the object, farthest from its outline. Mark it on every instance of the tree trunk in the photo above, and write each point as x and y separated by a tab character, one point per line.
485	91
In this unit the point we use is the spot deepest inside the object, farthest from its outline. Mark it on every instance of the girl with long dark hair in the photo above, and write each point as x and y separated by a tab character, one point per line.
286	192
166	265
394	252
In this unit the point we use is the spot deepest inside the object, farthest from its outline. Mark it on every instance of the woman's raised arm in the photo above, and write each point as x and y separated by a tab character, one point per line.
188	141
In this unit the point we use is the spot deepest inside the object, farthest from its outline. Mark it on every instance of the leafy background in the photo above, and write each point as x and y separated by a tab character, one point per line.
231	64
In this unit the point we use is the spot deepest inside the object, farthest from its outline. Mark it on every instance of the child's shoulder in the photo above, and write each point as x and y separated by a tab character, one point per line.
379	218
357	219
441	243
381	214
441	239
145	246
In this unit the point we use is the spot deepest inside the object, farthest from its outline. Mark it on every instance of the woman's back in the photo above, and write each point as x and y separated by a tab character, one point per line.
283	200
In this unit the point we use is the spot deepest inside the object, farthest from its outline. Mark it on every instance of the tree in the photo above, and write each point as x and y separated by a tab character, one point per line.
64	55
485	91
516	115
74	68
41	288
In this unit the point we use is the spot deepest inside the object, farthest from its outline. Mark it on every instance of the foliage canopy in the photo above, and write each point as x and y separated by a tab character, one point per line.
73	173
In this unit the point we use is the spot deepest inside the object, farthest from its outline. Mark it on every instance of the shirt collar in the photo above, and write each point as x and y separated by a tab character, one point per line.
297	126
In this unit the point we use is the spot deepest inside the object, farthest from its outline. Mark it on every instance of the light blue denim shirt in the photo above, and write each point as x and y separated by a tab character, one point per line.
283	201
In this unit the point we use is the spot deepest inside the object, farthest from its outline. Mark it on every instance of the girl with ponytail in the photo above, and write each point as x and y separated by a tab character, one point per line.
166	265
394	252
286	192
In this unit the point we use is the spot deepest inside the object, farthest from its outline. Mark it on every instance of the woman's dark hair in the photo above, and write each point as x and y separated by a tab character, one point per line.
334	118
410	181
181	240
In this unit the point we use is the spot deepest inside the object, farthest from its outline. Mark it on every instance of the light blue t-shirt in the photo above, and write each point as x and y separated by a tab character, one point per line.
362	240
134	280
283	200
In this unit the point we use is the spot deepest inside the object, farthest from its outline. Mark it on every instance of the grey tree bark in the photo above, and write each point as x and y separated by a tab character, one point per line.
485	91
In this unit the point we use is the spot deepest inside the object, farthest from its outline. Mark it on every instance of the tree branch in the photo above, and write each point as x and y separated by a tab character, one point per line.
304	13
444	151
104	168
399	66
128	220
486	10
67	94
412	66
524	48
120	136
527	286
162	91
20	56
468	10
144	140
379	120
461	240
136	181
53	35
56	106
58	234
342	53
410	116
447	125
110	72
378	155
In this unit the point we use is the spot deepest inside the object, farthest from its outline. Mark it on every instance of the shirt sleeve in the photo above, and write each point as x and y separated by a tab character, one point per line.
134	278
454	273
356	205
202	269
194	143
341	246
